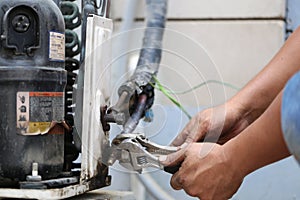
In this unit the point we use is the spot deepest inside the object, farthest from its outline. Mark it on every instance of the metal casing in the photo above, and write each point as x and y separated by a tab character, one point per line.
32	81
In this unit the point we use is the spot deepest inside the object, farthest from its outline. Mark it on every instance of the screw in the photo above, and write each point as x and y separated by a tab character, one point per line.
110	162
34	177
107	180
35	167
21	23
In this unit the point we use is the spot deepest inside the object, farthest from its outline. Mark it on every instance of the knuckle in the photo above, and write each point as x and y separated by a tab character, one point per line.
174	183
205	124
174	186
185	133
181	180
192	192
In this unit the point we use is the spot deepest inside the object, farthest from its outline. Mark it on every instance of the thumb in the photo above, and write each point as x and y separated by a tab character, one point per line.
180	138
174	158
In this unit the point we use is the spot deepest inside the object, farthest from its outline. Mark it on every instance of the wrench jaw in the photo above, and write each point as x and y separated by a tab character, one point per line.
135	157
135	152
138	162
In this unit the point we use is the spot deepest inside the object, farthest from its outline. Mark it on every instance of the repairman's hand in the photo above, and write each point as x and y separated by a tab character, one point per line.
206	171
218	124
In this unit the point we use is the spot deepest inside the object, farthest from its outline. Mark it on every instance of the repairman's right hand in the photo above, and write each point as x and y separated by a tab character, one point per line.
218	124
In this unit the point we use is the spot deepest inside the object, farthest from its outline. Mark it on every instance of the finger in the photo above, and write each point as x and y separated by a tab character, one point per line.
180	139
184	134
195	136
179	179
173	158
175	182
193	132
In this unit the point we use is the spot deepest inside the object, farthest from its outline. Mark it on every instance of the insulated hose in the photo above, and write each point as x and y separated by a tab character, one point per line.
148	62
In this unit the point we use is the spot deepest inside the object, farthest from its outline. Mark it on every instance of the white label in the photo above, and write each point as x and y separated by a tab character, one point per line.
22	111
57	46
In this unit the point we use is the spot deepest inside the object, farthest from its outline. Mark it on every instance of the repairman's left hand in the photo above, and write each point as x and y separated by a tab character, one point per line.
206	171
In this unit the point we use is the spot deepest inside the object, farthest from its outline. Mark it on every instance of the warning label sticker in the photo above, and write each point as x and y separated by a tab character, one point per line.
57	46
37	110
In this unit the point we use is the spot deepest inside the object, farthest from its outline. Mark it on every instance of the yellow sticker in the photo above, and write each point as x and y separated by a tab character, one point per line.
39	127
37	110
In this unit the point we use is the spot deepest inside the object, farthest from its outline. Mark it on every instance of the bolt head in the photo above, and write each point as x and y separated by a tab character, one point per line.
21	23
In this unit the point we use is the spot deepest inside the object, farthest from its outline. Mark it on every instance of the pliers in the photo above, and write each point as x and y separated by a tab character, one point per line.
135	152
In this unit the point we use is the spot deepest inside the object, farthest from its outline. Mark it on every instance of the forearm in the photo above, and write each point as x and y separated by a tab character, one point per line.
261	143
257	95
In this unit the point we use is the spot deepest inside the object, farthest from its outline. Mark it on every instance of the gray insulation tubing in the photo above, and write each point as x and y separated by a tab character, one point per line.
148	63
150	54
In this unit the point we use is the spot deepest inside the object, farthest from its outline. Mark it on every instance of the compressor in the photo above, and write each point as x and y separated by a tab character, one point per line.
41	135
37	132
32	82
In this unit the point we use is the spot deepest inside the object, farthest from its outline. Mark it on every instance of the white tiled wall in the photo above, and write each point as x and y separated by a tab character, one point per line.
225	40
197	51
240	37
208	9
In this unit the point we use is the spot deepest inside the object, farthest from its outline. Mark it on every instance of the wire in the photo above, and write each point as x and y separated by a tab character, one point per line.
203	84
168	93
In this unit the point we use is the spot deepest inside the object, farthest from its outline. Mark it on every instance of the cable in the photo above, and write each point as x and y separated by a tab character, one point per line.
168	93
203	84
161	88
151	51
153	188
149	57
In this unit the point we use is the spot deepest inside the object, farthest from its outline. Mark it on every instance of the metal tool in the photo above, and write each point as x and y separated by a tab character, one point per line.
135	152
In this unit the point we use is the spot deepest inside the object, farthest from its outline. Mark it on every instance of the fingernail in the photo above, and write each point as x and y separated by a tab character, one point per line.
162	158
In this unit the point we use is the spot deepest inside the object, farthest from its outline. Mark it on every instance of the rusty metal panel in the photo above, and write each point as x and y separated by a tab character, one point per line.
95	93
